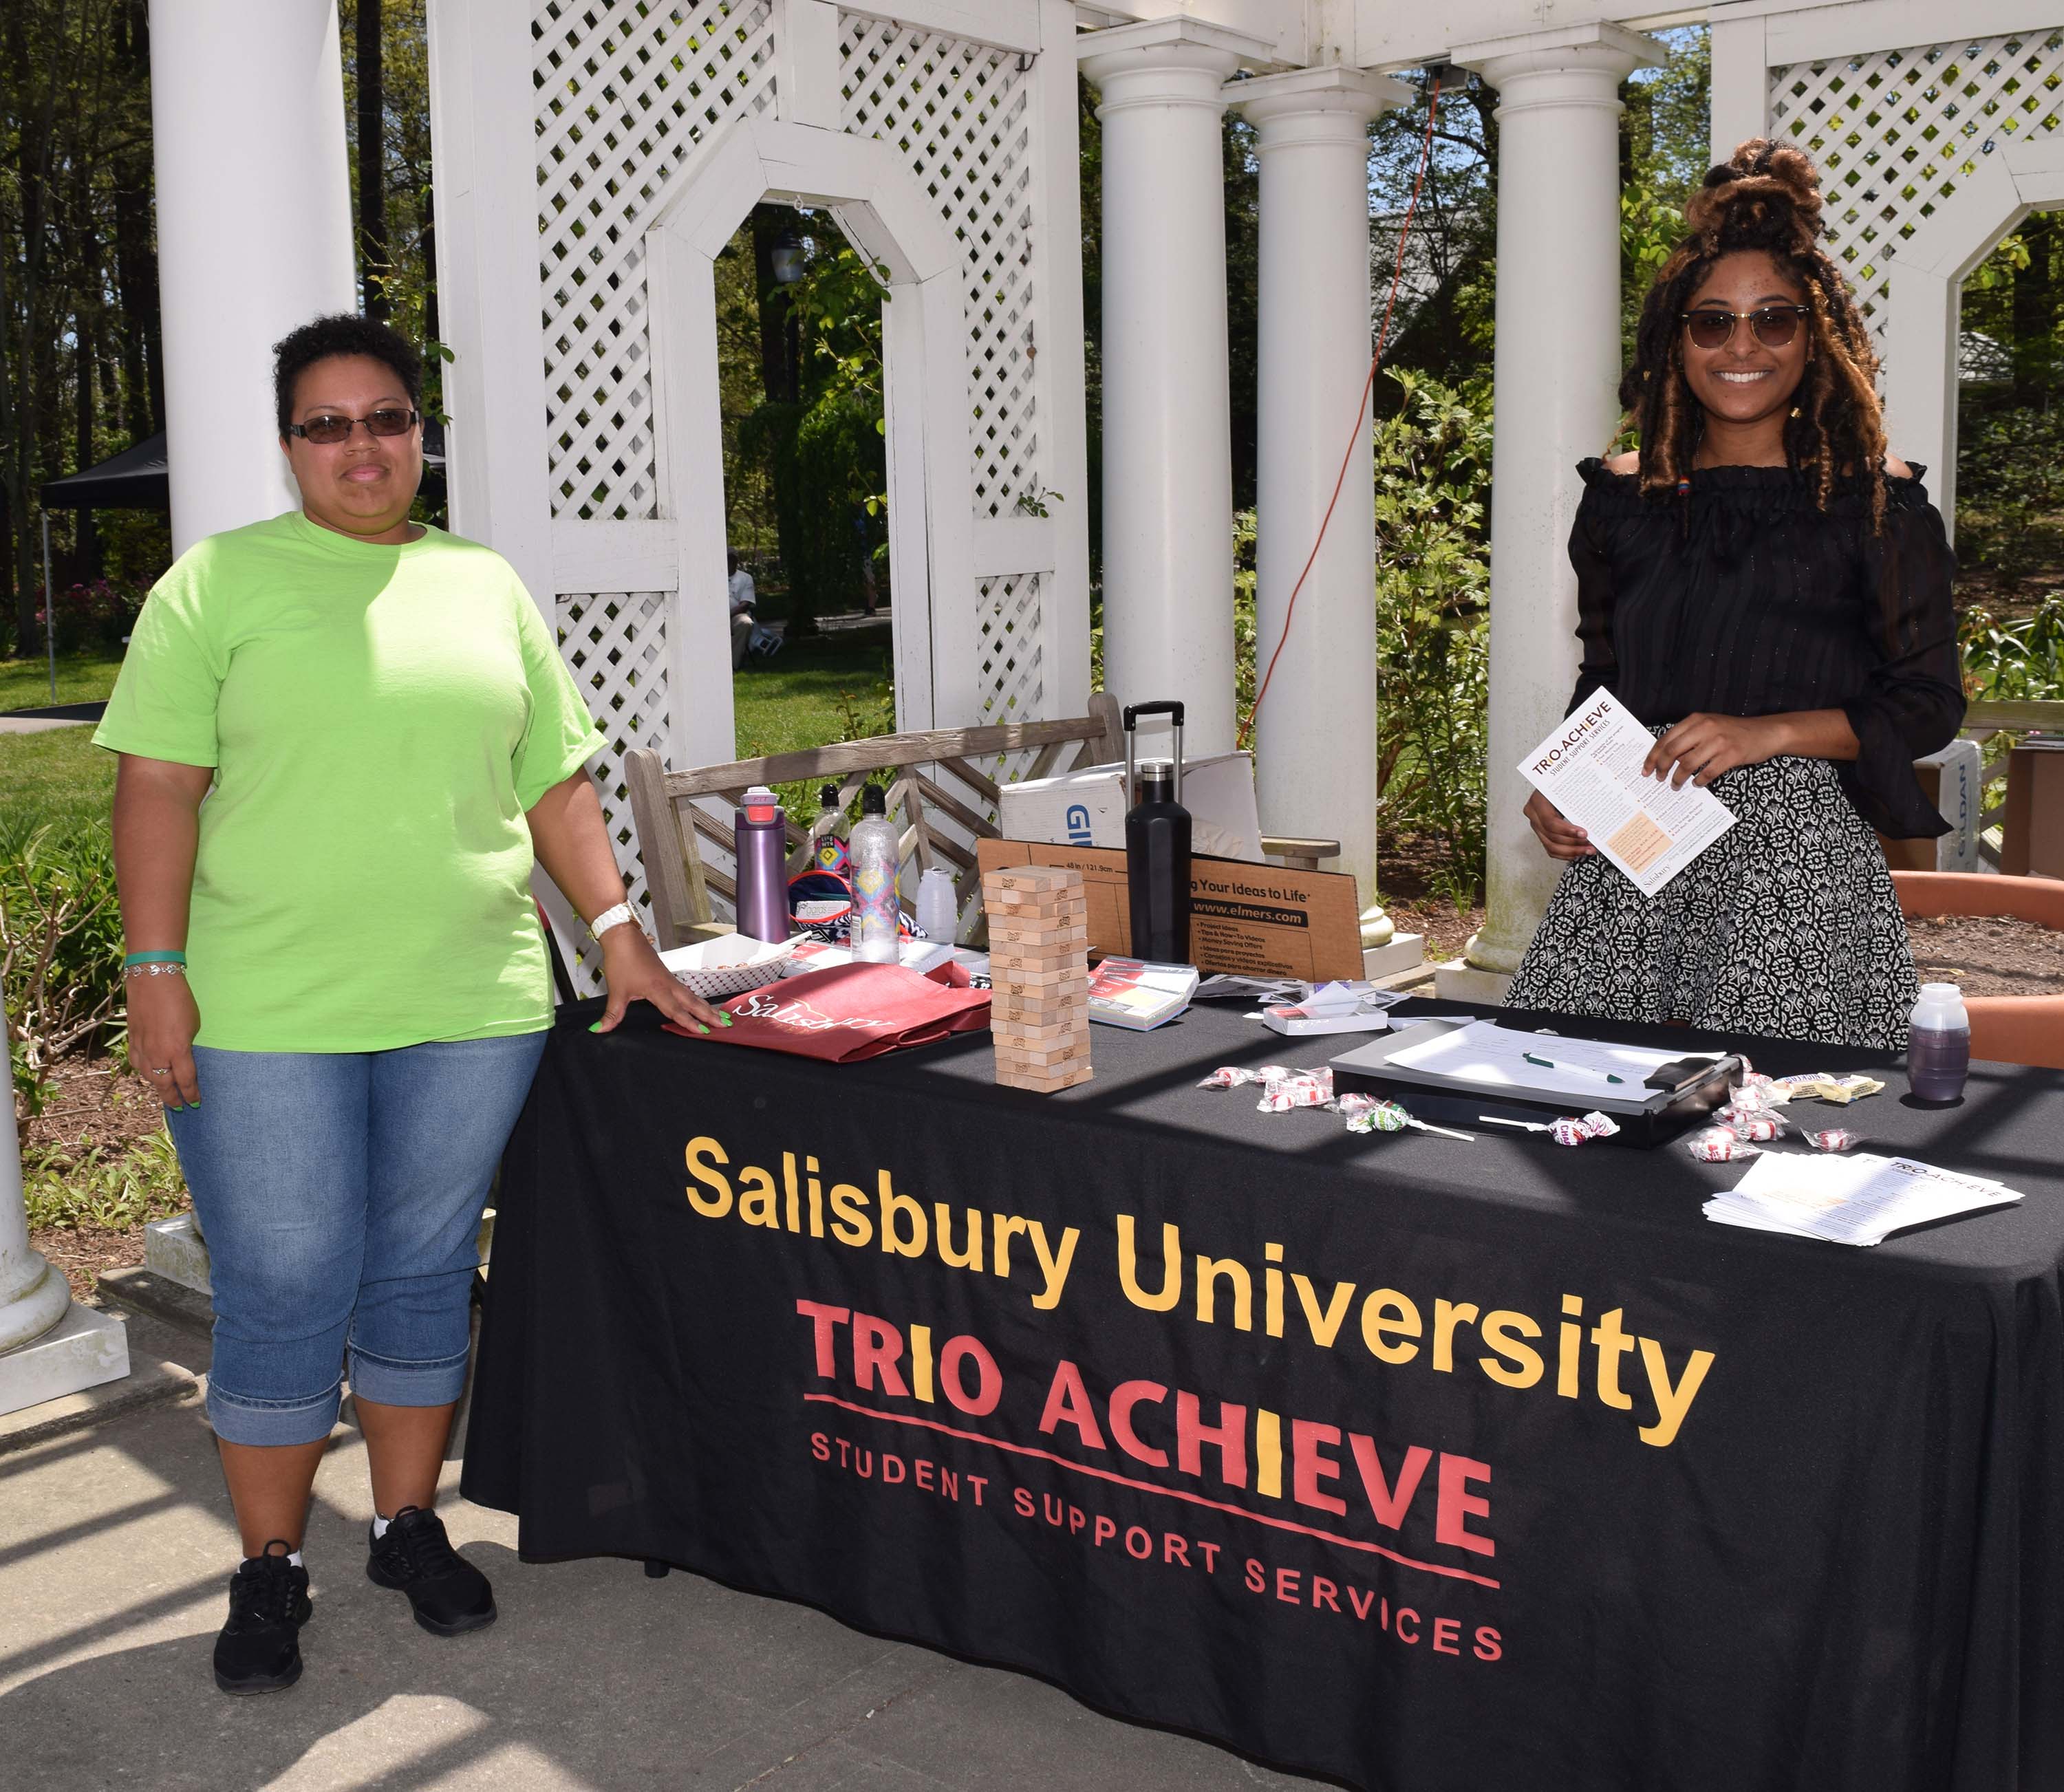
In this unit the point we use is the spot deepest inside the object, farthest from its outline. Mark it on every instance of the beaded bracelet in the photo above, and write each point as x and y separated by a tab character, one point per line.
157	967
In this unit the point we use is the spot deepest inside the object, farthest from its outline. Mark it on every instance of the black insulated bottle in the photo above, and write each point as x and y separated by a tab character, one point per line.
1157	847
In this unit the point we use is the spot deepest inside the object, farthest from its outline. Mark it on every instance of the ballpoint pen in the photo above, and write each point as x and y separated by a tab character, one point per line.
1581	1069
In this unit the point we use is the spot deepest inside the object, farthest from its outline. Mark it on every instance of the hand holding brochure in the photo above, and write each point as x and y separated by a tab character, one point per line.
1590	768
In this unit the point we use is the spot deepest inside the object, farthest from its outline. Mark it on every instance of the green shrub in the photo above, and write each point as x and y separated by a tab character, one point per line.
1433	583
2009	489
103	1188
2020	661
60	952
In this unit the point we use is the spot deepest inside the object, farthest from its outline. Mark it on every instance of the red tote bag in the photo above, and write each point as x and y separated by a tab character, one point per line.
851	1012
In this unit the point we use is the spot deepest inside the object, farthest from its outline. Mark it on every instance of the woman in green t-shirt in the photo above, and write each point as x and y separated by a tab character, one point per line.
336	980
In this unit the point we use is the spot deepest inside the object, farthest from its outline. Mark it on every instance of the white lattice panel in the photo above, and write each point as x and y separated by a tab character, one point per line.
1012	659
961	116
614	644
1897	131
624	92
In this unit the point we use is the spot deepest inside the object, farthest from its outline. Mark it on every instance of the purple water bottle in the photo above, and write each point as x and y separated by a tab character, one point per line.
1938	1047
762	868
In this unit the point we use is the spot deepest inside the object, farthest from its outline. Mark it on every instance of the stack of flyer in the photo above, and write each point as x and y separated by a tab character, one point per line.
1333	1008
1133	992
1862	1199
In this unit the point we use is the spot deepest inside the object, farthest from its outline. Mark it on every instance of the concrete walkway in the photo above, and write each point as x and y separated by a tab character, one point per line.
115	1542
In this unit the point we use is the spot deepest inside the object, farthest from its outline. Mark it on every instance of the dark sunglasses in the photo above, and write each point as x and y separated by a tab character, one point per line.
329	431
1774	325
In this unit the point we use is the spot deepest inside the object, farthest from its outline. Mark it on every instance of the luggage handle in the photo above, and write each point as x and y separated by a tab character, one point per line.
1171	707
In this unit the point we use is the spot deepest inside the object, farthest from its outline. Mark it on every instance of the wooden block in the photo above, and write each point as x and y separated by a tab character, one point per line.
1069	1050
1027	977
1039	1014
1039	1084
1038	879
1011	903
1060	934
1006	961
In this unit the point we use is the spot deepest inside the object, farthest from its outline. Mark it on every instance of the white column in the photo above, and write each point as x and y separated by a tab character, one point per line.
48	1346
254	235
1555	371
1314	735
1167	428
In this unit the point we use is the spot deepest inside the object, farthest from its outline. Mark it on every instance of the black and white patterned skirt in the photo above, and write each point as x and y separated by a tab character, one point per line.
1786	926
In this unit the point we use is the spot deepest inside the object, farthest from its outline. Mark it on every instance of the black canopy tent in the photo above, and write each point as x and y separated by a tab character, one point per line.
137	479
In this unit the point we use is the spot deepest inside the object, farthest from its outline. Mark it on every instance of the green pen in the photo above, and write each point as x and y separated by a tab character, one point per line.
1582	1070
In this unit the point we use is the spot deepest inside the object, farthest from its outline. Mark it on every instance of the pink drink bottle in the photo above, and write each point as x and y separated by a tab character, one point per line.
763	871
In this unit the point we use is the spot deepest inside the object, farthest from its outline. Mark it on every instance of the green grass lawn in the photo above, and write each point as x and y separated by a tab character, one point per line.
82	678
57	778
814	691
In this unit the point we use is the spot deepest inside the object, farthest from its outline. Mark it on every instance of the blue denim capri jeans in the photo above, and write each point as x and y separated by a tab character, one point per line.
340	1195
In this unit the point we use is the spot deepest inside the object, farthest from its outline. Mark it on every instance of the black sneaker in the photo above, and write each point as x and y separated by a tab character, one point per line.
259	1650
449	1596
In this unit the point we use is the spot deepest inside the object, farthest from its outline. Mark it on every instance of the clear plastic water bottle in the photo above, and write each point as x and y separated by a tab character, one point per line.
877	914
938	906
1938	1048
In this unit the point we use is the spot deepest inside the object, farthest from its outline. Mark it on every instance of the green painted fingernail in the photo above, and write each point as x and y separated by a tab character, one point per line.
596	1028
724	1020
700	1028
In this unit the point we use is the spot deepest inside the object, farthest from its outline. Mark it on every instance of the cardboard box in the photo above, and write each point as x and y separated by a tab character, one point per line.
1252	919
2032	840
1953	780
1086	808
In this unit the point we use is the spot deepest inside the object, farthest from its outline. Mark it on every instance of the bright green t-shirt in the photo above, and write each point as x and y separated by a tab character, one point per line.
378	719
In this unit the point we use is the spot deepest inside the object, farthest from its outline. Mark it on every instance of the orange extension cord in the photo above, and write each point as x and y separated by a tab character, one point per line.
1362	413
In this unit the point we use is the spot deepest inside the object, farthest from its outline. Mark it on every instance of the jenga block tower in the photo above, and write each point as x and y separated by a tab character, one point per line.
1039	971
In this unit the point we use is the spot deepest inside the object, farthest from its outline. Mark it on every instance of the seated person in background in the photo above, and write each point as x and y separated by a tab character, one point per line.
743	597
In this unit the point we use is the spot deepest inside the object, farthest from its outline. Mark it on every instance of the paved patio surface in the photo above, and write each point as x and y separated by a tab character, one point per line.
115	1542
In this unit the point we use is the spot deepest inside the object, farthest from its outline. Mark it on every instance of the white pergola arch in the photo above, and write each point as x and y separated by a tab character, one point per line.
1920	362
889	219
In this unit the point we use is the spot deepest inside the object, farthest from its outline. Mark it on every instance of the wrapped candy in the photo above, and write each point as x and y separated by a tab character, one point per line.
1300	1088
1569	1131
1719	1144
1232	1075
1820	1086
1379	1117
1835	1139
1758	1126
1348	1106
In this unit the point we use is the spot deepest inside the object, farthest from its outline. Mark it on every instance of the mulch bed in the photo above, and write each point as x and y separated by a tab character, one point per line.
1408	874
1989	955
92	1102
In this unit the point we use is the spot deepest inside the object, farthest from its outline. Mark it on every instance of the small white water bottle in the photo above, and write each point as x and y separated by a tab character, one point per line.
938	906
1938	1046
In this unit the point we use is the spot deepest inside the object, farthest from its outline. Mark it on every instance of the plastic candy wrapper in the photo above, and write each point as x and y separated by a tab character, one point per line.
1300	1088
1757	1125
1718	1144
1232	1075
1378	1117
1569	1131
1818	1086
1835	1139
1348	1106
1756	1095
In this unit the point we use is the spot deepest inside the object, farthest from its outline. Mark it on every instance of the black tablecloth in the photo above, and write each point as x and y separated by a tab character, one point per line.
1489	1465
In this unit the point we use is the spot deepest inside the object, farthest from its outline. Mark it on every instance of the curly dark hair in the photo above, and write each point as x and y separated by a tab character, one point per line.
344	334
1766	196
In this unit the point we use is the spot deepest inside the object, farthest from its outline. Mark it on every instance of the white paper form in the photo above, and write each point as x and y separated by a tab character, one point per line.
1859	1200
1492	1057
1590	768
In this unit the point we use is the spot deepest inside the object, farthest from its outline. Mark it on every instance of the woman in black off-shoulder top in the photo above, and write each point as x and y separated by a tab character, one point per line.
1770	591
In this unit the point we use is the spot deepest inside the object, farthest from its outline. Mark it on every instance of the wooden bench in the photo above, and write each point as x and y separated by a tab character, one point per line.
940	821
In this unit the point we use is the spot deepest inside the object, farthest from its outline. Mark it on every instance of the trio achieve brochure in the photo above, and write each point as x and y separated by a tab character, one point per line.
1590	768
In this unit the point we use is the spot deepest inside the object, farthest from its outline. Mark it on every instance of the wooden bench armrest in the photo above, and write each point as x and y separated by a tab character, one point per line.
1299	855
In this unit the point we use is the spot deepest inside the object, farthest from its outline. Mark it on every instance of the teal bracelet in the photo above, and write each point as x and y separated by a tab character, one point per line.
154	958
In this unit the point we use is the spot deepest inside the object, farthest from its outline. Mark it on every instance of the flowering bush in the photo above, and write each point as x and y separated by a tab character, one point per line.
97	615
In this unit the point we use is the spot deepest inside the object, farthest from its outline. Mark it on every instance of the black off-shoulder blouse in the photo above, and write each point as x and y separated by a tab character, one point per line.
1746	599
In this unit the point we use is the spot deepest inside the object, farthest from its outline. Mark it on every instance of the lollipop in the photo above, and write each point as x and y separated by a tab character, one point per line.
1379	1117
1569	1131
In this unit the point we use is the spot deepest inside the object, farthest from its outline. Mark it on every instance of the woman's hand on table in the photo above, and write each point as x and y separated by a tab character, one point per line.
1560	837
1701	746
632	970
163	1021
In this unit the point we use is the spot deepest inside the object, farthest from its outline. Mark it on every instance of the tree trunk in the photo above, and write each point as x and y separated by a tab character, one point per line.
86	332
135	252
372	163
2035	313
34	350
781	380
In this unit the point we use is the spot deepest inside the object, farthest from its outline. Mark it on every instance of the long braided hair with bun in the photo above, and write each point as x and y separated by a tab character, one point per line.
1766	197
